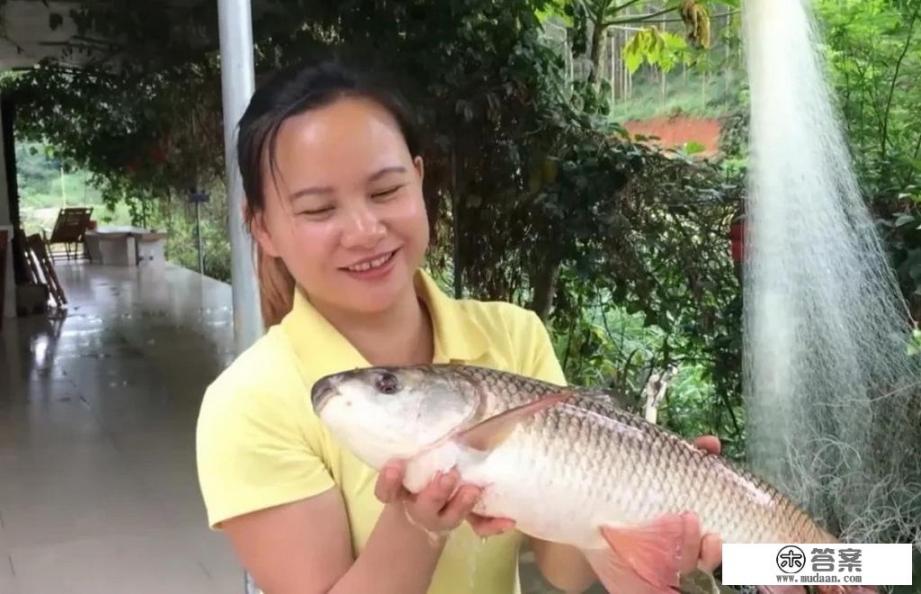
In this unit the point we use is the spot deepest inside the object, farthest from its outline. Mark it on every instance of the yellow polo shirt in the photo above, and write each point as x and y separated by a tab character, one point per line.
259	443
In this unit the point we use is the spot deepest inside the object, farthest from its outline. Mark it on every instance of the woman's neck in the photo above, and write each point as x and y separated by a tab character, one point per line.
400	335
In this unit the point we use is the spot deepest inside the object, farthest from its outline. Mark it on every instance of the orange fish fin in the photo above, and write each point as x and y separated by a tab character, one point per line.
486	435
617	576
832	589
651	550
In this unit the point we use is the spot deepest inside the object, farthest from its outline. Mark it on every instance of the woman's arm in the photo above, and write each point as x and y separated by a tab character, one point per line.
563	566
305	547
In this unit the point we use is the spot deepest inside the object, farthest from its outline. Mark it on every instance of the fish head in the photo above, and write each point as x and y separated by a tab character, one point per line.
380	413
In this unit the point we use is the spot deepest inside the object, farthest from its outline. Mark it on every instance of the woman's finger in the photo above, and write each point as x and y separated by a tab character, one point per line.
389	482
691	547
710	443
711	552
484	526
460	505
436	494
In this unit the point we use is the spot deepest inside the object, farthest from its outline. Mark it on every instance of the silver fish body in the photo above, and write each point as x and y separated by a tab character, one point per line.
562	472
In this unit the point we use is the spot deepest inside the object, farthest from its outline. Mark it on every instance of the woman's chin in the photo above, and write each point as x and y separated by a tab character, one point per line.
369	307
373	299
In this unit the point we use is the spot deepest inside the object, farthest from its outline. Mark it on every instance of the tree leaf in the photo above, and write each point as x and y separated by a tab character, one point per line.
694	148
905	219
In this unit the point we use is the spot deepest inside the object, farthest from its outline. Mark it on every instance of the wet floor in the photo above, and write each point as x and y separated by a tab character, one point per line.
97	409
98	491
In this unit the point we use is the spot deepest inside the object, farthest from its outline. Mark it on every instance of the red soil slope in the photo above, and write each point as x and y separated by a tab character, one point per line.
675	132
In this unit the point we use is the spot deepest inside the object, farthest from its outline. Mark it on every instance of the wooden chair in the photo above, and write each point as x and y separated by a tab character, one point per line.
42	268
71	224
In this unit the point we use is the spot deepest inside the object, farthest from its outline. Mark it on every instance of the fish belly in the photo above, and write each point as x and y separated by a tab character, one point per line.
528	486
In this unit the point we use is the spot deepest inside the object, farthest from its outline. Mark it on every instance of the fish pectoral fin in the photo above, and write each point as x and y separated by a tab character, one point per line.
643	558
486	435
618	577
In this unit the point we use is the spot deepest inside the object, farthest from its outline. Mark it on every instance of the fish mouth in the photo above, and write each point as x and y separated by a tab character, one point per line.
322	391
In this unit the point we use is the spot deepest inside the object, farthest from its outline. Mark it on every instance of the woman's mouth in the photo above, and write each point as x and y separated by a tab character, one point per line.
372	267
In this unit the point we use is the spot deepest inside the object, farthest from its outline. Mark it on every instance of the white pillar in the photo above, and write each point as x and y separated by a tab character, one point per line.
238	84
9	283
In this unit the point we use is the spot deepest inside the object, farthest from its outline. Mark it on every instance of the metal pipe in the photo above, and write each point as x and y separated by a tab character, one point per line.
237	85
201	249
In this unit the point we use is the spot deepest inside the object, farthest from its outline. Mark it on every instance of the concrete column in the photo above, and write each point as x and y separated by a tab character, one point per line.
238	84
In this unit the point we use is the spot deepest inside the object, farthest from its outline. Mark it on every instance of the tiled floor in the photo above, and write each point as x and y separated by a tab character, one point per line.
97	411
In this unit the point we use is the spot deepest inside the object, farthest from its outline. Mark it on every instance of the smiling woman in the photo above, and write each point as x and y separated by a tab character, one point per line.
360	141
333	173
352	225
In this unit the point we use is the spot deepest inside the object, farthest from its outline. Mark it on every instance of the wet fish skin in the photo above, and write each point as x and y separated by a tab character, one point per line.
568	465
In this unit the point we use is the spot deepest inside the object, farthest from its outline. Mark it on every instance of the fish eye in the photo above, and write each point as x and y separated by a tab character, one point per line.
387	383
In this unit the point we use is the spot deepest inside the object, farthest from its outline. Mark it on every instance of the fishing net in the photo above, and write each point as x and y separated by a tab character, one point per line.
833	394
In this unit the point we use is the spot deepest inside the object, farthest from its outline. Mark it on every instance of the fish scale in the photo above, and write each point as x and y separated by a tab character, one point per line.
633	471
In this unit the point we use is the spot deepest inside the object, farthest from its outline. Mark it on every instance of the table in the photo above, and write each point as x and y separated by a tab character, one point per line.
125	246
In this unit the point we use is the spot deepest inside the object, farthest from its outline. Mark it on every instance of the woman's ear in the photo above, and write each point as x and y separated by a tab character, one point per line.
420	168
262	235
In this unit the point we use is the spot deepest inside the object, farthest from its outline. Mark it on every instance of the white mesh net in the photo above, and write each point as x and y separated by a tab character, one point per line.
835	417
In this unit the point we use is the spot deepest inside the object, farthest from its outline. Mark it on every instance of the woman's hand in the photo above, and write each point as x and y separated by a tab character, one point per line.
703	552
441	506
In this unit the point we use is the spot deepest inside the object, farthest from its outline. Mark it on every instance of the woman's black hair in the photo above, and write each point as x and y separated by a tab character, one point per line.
296	90
288	93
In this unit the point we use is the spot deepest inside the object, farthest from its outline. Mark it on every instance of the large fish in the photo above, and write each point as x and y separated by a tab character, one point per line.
568	465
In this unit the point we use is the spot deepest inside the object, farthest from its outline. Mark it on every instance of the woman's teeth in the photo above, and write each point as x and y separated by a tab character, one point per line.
375	263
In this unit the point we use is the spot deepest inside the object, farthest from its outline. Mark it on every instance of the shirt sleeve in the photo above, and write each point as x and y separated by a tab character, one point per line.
542	362
254	450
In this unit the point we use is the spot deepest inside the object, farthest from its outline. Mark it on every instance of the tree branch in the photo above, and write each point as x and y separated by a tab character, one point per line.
716	16
917	147
627	4
640	18
895	79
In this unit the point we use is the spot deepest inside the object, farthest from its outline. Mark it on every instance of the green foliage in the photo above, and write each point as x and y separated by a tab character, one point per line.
177	217
874	54
692	95
45	182
660	49
652	43
140	133
914	347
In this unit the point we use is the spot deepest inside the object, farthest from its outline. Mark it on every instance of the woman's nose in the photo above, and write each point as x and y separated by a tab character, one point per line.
362	229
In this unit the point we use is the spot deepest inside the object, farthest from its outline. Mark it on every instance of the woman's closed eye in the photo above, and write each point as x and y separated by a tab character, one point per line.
318	212
388	192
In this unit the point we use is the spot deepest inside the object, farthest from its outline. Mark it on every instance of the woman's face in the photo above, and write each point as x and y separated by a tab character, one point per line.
344	209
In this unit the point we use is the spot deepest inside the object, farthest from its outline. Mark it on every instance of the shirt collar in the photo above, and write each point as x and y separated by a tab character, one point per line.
458	337
323	350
